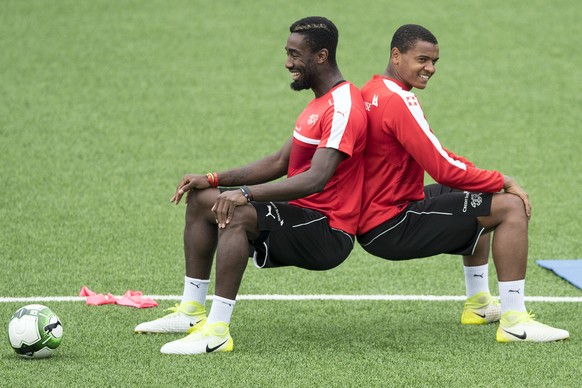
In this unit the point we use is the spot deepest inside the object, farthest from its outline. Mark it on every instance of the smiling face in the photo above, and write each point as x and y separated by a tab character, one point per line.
414	67
301	62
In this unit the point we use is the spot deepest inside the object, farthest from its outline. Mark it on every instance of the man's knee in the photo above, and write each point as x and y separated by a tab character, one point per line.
200	201
510	207
245	218
515	204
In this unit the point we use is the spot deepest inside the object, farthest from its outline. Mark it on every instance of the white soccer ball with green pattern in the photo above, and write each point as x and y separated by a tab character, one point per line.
35	331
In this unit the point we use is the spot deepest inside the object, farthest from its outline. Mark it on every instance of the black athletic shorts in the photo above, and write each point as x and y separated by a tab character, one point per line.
295	236
444	222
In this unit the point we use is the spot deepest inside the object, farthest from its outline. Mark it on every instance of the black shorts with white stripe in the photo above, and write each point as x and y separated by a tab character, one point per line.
299	237
444	222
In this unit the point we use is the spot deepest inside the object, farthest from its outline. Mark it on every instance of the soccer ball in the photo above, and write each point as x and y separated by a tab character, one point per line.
35	331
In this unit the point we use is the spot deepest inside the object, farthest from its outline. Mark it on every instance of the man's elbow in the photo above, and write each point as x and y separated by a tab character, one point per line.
318	185
318	188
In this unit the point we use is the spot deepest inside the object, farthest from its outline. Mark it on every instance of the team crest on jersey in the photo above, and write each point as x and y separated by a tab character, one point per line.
374	102
312	119
411	100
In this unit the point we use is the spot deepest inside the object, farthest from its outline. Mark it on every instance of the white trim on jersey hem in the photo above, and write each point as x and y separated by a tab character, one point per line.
305	139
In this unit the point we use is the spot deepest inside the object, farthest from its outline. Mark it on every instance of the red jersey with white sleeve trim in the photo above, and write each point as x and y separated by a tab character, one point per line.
335	120
400	148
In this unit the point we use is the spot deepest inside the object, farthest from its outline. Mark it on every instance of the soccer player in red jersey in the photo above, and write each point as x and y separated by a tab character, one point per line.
404	219
308	220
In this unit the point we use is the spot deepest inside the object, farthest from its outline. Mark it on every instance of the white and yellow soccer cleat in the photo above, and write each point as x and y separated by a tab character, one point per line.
481	309
183	318
521	326
210	338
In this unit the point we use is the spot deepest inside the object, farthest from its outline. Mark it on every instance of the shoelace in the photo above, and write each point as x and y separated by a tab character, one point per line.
176	308
527	316
173	309
524	317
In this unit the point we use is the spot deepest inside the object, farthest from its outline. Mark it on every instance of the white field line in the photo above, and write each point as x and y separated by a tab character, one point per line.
275	297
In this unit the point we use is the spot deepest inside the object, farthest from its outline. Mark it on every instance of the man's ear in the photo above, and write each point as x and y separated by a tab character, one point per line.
395	55
322	55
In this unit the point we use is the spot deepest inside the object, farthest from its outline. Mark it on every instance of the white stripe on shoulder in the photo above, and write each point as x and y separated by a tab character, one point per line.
305	139
342	101
414	107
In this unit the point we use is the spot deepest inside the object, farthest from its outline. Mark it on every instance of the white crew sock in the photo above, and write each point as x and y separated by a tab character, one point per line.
476	279
195	290
221	310
512	295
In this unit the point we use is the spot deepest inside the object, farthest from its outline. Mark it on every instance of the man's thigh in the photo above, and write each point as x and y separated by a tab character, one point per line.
444	222
294	236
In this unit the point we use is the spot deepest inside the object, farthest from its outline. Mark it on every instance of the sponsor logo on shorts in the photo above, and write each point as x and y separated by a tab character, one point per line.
275	216
474	199
270	211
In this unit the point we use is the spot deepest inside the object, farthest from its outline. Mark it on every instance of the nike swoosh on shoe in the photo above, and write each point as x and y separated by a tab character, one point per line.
520	336
194	324
212	349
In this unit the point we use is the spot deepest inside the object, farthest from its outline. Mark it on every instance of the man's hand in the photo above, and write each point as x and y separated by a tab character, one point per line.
190	182
511	187
225	204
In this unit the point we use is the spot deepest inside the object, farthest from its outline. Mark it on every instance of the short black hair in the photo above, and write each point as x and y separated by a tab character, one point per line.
407	35
319	33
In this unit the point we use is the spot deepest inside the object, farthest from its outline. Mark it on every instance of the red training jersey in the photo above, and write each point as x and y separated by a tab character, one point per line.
400	148
335	120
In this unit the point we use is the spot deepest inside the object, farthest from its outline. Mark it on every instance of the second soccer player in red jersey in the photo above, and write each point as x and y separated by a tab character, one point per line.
402	219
